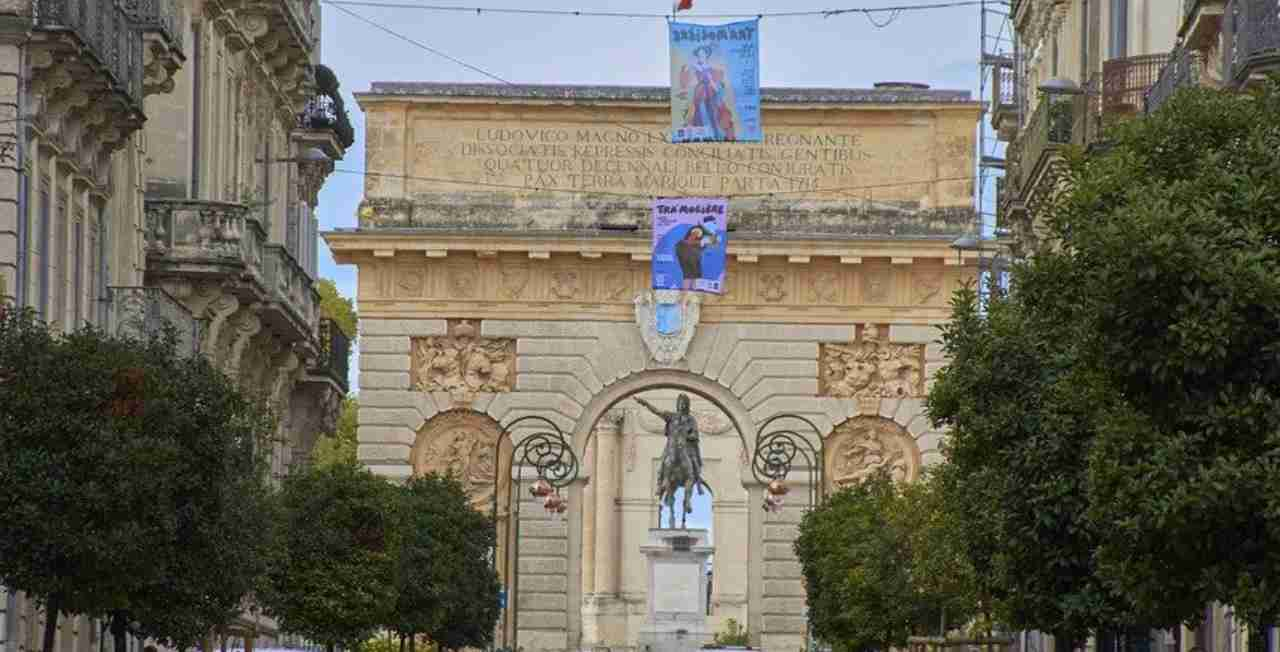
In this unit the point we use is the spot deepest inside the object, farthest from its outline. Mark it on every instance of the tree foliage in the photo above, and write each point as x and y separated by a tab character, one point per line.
341	446
446	586
340	309
129	473
865	556
1175	233
1117	414
333	579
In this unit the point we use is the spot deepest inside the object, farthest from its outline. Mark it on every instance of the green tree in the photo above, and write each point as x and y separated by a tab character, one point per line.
338	308
856	561
1020	406
1174	237
446	586
333	579
944	579
126	471
340	446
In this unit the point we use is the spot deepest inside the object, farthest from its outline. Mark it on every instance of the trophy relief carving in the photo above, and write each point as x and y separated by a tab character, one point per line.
871	368
462	363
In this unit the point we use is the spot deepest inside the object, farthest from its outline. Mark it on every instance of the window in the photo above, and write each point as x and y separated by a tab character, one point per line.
197	101
42	250
24	247
1119	45
77	272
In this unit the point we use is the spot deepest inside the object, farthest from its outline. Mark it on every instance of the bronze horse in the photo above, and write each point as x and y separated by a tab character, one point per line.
681	464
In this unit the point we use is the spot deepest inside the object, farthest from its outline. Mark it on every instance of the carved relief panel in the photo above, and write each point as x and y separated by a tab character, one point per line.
871	367
462	363
864	445
462	443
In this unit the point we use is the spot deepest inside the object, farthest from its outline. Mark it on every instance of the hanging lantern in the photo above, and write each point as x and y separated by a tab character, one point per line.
541	488
778	488
553	503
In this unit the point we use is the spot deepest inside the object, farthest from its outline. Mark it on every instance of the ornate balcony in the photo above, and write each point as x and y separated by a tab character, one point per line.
1201	22
333	363
1055	124
1004	108
1252	43
162	24
103	31
142	312
282	31
1125	83
289	288
203	238
1184	69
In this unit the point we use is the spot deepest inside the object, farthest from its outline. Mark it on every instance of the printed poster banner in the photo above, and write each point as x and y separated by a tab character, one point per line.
715	82
689	243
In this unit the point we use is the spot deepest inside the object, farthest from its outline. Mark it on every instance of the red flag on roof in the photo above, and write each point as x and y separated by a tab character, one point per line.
681	5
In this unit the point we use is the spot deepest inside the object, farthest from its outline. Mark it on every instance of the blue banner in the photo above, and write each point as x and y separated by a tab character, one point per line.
715	82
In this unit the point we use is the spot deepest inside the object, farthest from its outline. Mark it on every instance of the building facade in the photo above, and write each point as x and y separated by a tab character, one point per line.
160	162
504	255
1079	65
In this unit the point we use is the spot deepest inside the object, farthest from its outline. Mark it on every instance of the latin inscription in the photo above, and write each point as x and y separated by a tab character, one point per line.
619	159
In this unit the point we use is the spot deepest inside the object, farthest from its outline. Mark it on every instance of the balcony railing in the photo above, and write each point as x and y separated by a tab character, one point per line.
1183	69
1055	123
1252	37
335	353
109	36
1125	82
165	17
288	284
143	312
192	232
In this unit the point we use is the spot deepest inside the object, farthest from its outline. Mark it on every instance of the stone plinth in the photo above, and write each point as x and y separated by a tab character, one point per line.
677	590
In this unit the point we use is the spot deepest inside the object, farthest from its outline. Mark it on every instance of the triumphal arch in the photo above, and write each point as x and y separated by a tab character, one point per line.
504	254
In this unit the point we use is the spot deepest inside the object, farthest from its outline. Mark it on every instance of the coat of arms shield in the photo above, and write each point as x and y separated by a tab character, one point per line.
667	320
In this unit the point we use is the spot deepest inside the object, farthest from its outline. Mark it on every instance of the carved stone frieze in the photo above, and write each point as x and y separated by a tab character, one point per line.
462	363
463	444
824	286
565	284
864	445
926	287
773	287
463	281
515	277
877	285
871	367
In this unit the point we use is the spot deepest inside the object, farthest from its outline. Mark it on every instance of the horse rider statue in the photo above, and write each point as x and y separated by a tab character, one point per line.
681	464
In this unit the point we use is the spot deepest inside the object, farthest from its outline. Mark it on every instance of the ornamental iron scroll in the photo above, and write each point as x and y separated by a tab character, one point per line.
778	451
552	458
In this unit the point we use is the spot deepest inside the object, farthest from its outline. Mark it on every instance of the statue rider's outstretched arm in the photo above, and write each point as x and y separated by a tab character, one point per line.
651	408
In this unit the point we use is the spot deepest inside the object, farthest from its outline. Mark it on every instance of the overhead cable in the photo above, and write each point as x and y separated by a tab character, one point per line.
815	13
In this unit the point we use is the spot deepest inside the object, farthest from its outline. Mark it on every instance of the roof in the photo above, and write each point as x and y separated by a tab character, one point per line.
895	94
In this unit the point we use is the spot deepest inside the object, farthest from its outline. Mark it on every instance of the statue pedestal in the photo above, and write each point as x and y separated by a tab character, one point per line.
678	591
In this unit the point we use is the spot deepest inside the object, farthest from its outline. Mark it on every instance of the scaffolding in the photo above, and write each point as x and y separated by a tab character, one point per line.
999	96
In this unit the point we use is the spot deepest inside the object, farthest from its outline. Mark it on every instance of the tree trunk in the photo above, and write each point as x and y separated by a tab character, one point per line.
401	642
413	642
1062	642
50	622
119	632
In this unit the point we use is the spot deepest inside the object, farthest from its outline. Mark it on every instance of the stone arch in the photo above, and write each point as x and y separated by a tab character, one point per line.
715	393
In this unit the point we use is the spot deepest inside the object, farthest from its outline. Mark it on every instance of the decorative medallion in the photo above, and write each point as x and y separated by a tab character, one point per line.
514	279
461	443
564	284
462	363
615	285
773	287
864	445
871	368
411	281
462	281
926	287
667	321
875	288
824	287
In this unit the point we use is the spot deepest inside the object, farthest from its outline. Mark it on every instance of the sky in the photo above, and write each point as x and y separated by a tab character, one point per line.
939	47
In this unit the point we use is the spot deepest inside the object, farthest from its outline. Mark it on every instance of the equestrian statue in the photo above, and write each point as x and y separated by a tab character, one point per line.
681	464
